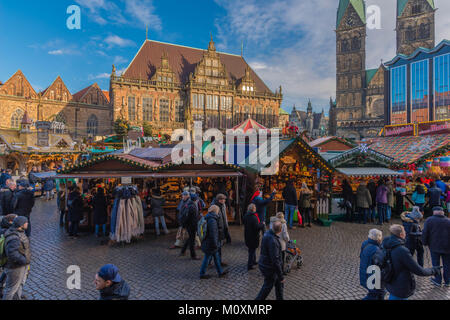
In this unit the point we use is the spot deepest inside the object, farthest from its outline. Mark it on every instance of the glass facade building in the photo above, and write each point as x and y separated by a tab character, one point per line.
419	86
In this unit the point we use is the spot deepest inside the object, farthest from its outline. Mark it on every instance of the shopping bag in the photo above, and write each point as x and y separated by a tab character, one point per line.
295	217
299	217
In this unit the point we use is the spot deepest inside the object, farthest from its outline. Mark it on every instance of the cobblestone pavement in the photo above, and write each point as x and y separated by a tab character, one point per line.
330	270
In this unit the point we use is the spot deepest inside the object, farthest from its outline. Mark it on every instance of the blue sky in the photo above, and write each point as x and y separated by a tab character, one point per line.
288	42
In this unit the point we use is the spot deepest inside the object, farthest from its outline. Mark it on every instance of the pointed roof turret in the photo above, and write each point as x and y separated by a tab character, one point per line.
211	46
401	5
358	5
309	106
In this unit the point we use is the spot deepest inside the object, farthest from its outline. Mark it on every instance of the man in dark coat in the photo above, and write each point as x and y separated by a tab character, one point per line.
220	201
261	203
363	202
17	248
369	248
436	235
6	198
5	224
188	212
252	230
435	195
110	284
100	207
270	263
403	284
4	177
75	214
211	243
23	202
290	201
373	195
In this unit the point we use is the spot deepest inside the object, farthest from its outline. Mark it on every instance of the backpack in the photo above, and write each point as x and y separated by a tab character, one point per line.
202	228
3	258
384	261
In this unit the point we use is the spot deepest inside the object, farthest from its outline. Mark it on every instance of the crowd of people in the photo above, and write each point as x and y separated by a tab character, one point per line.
376	202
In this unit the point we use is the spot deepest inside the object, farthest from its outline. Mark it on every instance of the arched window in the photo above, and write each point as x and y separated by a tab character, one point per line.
16	118
356	43
92	126
345	46
410	34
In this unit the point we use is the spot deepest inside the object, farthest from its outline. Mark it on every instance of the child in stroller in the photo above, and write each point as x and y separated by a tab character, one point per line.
293	256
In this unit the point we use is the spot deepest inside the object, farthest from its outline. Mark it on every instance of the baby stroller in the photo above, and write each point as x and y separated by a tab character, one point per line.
293	256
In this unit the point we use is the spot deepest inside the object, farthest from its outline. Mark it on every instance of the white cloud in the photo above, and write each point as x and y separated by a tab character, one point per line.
292	43
144	12
99	76
56	52
60	52
116	41
119	60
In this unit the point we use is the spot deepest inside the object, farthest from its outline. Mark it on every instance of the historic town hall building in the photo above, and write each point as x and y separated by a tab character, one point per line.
360	93
170	86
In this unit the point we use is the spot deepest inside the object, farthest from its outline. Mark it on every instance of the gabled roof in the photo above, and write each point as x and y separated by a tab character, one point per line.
283	112
250	125
358	5
401	5
370	74
58	78
106	94
80	94
27	83
321	141
182	61
354	155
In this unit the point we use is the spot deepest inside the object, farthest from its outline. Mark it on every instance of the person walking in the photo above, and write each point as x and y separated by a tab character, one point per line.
75	214
403	284
100	206
6	175
369	248
284	236
181	232
6	198
382	202
347	195
363	202
306	205
261	203
110	284
189	218
49	185
418	196
211	243
290	202
23	202
270	263
436	235
5	224
156	204
390	200
220	202
253	227
18	253
413	231
373	195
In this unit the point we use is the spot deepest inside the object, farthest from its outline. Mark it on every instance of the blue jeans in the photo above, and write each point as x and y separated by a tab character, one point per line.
381	208
388	212
363	215
436	261
392	297
289	211
206	261
372	213
97	227
163	225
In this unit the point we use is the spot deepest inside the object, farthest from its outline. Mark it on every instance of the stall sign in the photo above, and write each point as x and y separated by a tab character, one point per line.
399	131
126	180
435	127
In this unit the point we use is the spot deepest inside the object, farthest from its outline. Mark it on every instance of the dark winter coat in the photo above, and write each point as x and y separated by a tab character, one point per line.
3	178
211	243
382	194
347	192
189	207
413	231
363	197
156	206
62	200
252	229
23	202
403	283
436	234
117	291
305	200
270	260
4	226
6	201
290	195
17	248
434	194
368	249
373	193
49	185
100	206
75	206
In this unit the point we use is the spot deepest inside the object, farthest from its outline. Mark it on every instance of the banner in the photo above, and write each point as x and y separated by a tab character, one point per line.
399	130
434	127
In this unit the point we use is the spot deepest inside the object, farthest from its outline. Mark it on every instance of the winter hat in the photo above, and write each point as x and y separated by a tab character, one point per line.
109	272
437	209
19	221
415	214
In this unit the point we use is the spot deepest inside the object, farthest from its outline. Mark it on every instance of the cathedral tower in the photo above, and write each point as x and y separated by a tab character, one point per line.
350	62
415	25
